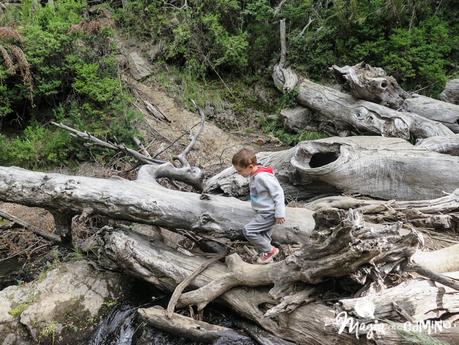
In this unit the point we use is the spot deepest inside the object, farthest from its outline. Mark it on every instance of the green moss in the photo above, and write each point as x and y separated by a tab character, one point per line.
49	332
73	319
17	309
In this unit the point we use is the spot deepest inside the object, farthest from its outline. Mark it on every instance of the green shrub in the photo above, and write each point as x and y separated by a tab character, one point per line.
75	81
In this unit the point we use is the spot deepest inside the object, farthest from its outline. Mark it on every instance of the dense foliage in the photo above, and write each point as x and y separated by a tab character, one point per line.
416	40
74	80
57	60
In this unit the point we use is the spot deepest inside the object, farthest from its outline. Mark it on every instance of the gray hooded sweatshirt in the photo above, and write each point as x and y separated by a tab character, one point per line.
266	194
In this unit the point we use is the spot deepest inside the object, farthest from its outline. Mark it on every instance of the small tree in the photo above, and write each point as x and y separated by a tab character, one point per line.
14	58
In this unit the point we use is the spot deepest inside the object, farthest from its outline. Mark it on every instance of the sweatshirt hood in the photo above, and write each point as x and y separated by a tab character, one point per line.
263	169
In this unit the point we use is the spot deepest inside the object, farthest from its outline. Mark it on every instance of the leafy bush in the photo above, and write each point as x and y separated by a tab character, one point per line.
416	41
75	80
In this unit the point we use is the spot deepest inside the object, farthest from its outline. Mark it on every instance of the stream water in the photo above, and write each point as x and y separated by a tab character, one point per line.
122	326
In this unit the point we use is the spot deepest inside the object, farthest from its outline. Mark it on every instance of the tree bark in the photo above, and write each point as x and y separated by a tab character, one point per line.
373	84
441	213
342	244
313	323
386	168
143	202
448	145
351	116
417	297
189	328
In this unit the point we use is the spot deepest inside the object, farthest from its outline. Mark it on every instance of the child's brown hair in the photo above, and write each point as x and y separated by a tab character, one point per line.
244	158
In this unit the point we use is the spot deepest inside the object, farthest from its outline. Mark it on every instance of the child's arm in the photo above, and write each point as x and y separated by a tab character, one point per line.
277	193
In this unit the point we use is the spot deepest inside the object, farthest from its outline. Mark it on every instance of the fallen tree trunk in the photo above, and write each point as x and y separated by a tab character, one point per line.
417	297
190	328
386	168
441	213
347	114
448	145
441	260
333	253
373	84
314	323
143	202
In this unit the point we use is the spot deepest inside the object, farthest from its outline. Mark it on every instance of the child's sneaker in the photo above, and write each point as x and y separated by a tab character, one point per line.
265	258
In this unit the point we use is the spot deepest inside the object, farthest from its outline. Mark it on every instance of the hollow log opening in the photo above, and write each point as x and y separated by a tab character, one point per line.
322	158
311	155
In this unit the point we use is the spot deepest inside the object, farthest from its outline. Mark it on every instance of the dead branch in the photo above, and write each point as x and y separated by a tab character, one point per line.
114	146
180	287
189	328
34	229
442	279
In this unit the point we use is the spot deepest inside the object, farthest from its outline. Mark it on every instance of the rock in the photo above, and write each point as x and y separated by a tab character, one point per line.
209	111
140	68
11	331
155	51
226	118
262	93
60	306
451	92
296	119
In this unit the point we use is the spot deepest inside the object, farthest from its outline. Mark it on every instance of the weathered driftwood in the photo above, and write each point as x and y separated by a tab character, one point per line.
386	168
373	84
189	328
313	323
345	113
441	213
418	297
154	168
448	145
441	260
451	92
333	252
260	335
430	108
231	183
299	119
143	202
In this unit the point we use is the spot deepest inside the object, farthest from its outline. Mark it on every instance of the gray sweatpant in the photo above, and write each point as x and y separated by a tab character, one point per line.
258	231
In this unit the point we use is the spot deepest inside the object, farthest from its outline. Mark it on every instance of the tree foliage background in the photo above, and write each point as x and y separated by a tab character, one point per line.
69	53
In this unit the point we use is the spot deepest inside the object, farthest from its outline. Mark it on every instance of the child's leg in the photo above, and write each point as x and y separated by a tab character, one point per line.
267	234
258	232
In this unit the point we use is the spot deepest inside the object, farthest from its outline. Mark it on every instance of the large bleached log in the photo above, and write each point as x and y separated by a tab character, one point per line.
314	323
341	245
451	92
441	260
231	183
373	84
347	113
143	202
430	108
441	213
386	168
418	297
333	253
190	328
448	145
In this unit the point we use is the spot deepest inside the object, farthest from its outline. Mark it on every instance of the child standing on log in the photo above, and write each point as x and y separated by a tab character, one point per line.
267	199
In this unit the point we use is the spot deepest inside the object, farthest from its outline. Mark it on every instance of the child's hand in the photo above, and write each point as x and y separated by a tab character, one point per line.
280	220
